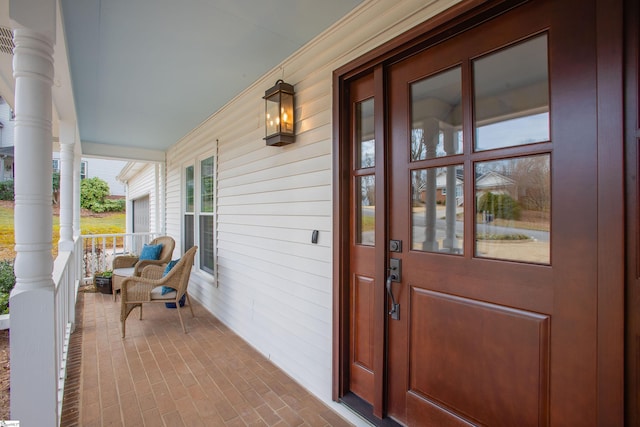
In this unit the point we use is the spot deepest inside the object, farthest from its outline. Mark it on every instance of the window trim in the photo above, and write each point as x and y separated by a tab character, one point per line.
84	164
197	214
183	206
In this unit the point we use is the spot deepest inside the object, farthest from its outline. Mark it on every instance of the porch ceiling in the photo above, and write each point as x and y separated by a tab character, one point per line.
146	72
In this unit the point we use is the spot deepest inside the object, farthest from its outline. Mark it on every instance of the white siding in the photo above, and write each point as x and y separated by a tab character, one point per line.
106	170
148	182
7	131
274	287
6	140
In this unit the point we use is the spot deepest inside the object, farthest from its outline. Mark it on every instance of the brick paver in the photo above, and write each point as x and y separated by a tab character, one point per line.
159	376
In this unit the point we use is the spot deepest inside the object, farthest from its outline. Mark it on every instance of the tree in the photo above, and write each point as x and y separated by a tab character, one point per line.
55	187
93	196
499	205
533	175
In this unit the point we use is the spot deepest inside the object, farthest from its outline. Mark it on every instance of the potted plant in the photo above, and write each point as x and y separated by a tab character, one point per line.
102	281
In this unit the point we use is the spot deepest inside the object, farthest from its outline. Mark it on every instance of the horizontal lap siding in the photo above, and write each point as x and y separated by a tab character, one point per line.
273	286
173	213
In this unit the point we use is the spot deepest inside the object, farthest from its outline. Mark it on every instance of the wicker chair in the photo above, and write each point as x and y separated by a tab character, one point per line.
128	265
148	288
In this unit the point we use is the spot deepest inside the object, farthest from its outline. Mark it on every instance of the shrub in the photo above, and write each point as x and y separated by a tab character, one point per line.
55	190
6	190
7	282
502	237
93	191
499	205
93	196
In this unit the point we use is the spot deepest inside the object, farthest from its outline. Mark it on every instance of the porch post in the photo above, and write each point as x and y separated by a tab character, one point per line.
451	200
67	137
431	129
77	161
33	346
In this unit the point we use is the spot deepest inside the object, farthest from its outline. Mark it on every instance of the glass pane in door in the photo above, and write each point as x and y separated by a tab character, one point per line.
365	138
366	210
436	116
437	209
513	209
511	96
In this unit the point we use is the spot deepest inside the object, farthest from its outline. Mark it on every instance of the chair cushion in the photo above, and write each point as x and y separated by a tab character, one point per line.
124	272
151	252
170	265
156	294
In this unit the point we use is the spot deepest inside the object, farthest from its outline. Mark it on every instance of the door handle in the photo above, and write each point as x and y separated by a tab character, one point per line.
395	272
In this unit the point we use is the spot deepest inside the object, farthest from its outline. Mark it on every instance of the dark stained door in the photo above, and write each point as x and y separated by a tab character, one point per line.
492	178
480	181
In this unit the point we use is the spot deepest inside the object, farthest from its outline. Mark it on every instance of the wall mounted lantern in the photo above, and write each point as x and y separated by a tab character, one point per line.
278	110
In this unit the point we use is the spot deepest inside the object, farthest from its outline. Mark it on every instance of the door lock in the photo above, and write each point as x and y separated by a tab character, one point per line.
395	245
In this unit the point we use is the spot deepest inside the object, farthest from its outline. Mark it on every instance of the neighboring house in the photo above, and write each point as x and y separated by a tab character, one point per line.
441	187
89	167
6	140
145	201
493	182
104	169
475	339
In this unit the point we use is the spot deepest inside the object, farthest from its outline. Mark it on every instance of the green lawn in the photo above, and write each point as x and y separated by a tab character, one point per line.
109	224
104	224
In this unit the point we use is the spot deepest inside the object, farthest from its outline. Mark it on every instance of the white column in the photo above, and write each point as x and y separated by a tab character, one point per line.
67	139
159	202
77	162
33	350
431	129
451	205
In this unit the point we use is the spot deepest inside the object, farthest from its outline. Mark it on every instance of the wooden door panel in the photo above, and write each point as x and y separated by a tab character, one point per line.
528	287
483	362
362	303
423	412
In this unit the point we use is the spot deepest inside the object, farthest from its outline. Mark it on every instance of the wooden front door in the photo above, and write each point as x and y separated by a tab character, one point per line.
473	280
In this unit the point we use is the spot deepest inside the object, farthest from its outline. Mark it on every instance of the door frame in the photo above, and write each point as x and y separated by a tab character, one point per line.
610	205
632	134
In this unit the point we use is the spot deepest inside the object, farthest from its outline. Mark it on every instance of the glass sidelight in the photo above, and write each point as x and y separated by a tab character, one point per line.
365	183
366	210
366	143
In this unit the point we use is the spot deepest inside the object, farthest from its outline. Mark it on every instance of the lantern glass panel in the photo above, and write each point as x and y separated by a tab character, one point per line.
272	119
286	113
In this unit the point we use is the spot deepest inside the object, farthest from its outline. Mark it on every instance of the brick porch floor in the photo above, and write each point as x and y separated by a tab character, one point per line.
159	376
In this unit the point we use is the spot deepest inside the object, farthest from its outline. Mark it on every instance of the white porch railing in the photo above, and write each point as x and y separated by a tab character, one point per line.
98	250
91	253
65	276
